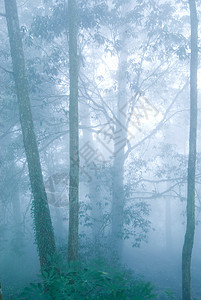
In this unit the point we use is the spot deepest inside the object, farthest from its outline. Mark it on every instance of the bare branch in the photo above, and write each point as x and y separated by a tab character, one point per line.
160	124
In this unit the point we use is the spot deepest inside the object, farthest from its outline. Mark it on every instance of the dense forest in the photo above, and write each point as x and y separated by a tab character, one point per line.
100	158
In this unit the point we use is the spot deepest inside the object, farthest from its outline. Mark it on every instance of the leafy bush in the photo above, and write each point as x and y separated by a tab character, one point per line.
92	281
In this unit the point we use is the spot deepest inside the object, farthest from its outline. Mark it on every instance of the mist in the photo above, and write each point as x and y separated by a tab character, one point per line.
100	160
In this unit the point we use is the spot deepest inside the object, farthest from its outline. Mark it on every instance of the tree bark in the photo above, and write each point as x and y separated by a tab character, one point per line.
42	221
190	228
74	134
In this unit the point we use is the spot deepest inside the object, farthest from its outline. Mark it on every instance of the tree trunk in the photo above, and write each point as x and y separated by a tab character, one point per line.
190	228
74	134
42	221
120	137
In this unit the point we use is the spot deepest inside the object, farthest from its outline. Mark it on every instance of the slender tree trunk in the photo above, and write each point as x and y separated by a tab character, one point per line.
74	134
190	228
120	137
42	221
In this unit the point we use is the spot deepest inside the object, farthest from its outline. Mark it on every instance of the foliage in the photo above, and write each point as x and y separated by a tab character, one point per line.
89	281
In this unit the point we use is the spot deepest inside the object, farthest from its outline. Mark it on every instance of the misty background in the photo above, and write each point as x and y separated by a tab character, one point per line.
134	118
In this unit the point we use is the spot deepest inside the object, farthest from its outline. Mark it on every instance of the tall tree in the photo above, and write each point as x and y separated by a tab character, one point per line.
120	138
42	221
74	134
190	228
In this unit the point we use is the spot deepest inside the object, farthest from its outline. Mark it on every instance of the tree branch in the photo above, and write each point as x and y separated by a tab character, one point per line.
160	124
7	71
